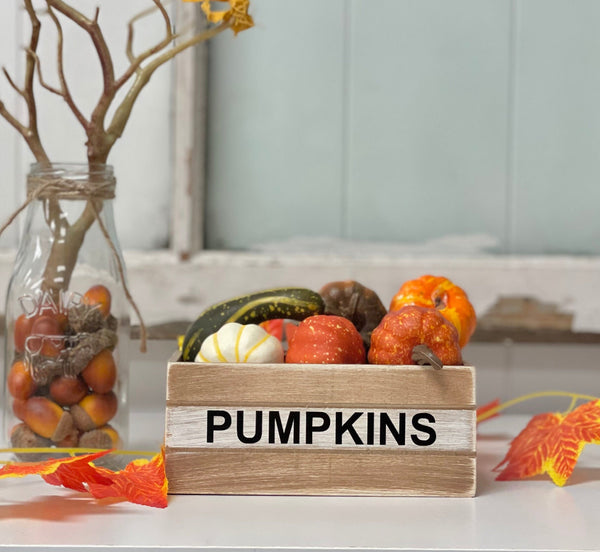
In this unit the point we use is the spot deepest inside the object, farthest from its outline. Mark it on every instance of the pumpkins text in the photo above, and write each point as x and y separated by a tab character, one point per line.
321	427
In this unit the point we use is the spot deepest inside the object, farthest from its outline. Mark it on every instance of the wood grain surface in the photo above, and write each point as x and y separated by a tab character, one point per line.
243	455
321	473
361	385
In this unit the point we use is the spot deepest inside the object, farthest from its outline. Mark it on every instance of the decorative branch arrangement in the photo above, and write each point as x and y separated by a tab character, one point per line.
101	136
101	131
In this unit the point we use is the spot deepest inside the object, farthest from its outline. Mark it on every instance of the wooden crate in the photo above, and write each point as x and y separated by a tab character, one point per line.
320	429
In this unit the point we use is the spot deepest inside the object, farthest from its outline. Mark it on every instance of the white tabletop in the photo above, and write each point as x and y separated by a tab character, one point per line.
520	515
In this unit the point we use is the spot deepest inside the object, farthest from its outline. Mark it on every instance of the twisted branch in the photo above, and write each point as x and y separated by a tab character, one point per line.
18	90
121	116
136	61
92	28
30	131
64	88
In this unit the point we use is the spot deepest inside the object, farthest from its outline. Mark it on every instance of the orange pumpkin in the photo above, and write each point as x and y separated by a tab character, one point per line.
393	341
446	297
326	339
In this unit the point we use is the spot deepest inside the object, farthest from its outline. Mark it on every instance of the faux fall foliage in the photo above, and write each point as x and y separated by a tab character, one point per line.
140	482
552	443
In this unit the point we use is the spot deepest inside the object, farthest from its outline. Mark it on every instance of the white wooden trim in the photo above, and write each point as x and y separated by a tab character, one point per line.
189	129
167	288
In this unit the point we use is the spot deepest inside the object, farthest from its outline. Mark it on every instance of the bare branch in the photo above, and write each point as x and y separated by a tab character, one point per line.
92	28
64	88
32	136
136	61
12	83
121	116
95	128
130	30
13	121
47	86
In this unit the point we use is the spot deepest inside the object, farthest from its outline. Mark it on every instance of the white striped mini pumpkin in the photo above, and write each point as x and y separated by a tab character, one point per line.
241	343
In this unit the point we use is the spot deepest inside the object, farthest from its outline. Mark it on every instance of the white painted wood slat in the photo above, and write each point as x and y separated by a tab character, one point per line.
320	428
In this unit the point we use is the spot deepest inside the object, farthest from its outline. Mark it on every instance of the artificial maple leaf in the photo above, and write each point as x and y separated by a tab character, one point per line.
551	443
76	475
274	327
141	482
48	468
482	412
237	15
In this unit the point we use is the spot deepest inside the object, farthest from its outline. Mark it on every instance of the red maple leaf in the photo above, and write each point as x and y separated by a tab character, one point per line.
551	443
141	482
48	468
482	411
77	474
274	327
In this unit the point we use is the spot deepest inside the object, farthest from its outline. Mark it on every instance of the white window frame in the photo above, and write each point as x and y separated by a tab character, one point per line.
179	282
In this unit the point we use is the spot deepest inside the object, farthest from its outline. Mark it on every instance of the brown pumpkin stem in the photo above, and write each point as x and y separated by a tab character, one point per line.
423	355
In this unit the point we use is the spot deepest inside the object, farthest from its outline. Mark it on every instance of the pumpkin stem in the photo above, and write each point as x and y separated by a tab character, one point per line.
440	301
422	354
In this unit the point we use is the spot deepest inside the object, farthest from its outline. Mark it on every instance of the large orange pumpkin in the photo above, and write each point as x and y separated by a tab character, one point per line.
395	339
326	339
442	294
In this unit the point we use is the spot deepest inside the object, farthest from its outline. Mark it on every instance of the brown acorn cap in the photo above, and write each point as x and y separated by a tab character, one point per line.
22	436
96	438
82	418
65	427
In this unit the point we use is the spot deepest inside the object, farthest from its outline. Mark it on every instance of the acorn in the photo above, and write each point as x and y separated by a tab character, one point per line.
67	391
18	407
19	382
21	436
101	372
105	437
94	410
71	440
46	418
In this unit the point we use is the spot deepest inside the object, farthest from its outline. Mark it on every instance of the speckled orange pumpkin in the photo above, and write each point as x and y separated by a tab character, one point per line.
326	339
440	293
393	341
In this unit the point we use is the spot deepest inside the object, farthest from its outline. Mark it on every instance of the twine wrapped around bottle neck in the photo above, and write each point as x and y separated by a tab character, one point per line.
45	187
93	190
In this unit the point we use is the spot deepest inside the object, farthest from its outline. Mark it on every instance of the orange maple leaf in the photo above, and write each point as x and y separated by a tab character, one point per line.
48	468
551	443
141	481
274	327
76	475
482	412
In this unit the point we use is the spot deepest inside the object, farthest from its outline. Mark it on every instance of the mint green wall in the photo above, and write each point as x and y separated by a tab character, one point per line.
408	121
